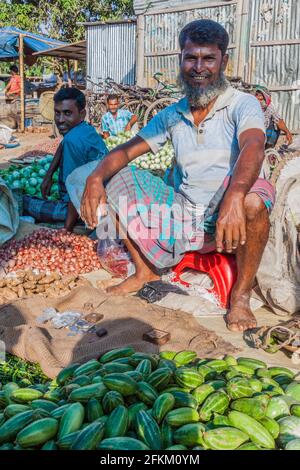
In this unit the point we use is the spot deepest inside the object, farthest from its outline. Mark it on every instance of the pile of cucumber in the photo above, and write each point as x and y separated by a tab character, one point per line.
128	400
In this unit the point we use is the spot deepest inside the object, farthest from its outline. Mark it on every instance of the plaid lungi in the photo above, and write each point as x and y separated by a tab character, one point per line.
160	221
45	211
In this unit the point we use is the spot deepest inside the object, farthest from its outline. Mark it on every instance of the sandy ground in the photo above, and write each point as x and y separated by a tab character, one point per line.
28	141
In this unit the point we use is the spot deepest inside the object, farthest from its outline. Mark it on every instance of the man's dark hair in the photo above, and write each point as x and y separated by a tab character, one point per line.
14	68
205	32
71	94
113	97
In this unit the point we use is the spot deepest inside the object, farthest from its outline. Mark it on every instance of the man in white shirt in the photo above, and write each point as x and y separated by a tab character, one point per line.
218	195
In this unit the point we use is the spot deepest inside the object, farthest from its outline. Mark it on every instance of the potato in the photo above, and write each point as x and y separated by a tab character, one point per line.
35	277
29	285
39	289
9	294
21	292
47	280
15	282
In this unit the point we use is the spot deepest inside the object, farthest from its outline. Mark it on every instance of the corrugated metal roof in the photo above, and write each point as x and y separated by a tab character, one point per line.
75	51
97	23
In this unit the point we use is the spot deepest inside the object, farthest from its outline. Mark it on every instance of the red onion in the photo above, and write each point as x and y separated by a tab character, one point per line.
51	250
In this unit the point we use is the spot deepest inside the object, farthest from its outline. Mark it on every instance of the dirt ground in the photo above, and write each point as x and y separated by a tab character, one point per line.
28	141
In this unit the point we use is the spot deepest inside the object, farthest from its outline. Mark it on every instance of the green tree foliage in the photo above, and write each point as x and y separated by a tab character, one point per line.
20	15
59	17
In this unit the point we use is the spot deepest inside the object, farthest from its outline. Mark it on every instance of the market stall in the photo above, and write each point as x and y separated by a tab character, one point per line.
16	44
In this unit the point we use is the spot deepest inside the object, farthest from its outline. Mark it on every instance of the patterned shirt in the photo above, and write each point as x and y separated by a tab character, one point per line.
271	115
206	154
114	126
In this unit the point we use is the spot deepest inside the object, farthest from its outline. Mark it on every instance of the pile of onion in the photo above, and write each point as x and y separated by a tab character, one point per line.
49	250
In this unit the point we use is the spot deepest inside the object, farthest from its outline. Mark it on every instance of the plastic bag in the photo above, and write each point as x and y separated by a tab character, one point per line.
112	252
115	258
5	134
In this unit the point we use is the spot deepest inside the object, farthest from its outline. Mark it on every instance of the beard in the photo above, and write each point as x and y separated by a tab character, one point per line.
201	97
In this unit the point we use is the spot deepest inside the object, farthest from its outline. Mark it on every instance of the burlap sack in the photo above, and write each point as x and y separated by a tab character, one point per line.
125	318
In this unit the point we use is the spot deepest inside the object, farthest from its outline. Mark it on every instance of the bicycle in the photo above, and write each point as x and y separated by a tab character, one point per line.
165	93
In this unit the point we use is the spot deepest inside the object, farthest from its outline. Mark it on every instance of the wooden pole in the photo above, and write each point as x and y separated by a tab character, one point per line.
140	66
75	71
21	65
69	74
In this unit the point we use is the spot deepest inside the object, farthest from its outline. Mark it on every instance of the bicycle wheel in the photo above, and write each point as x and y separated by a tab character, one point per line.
157	106
137	107
96	109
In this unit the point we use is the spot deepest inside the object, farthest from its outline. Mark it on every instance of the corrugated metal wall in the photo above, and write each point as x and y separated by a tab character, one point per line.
111	50
161	37
274	54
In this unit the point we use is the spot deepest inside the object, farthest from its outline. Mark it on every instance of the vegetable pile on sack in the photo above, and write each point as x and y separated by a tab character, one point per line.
129	400
50	250
30	178
19	371
159	162
27	283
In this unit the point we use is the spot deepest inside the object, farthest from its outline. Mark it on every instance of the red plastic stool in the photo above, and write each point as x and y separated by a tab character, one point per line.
220	267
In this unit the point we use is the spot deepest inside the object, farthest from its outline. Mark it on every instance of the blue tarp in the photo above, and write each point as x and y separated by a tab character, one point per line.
9	41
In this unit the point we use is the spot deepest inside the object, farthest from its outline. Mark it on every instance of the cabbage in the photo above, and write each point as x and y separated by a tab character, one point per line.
30	190
16	175
16	184
161	161
33	181
26	172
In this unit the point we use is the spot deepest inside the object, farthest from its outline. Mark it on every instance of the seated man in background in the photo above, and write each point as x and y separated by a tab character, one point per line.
81	144
116	120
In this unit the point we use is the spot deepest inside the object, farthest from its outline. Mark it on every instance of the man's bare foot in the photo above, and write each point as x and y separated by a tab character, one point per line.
132	284
240	318
108	283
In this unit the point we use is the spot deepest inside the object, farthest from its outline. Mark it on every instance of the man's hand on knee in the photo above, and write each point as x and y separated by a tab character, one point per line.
231	224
